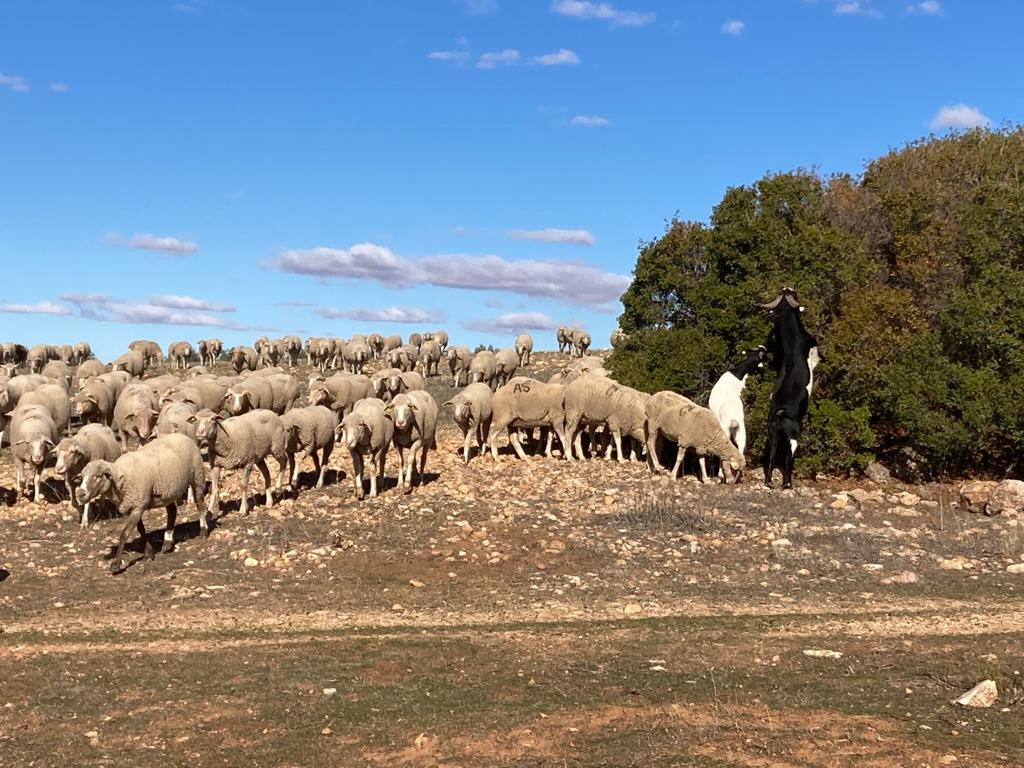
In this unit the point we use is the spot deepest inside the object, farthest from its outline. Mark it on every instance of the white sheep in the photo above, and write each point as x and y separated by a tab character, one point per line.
506	363
368	432
308	430
471	410
430	357
91	442
673	417
459	360
54	398
484	368
404	382
526	403
133	363
414	415
33	436
94	402
160	474
135	414
524	348
593	400
340	392
177	419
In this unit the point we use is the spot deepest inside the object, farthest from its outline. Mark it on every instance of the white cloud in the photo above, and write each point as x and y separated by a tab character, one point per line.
460	231
959	116
571	282
146	242
591	121
386	315
554	235
733	27
480	7
459	57
584	9
513	322
59	87
493	59
15	82
857	8
39	308
563	56
926	8
188	302
293	303
184	8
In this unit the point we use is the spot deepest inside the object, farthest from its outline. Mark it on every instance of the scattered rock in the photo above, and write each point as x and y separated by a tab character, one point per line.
841	503
904	577
957	563
984	694
417	583
1007	498
782	543
816	653
877	473
251	562
330	691
862	496
908	499
975	494
1015	568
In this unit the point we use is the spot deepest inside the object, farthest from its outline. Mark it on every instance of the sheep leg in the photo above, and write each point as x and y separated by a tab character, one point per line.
576	441
246	472
134	521
38	481
513	439
172	519
293	470
357	473
551	442
423	461
197	496
617	437
265	471
213	504
318	467
703	469
401	464
465	442
494	449
377	470
680	453
383	460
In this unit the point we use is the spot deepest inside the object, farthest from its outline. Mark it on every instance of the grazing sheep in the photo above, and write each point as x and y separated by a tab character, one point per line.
414	415
483	368
242	442
33	435
160	474
415	340
593	400
133	363
88	369
54	398
367	432
308	430
81	352
58	372
160	384
405	382
202	392
177	419
135	414
243	359
65	352
91	442
527	403
179	353
471	410
524	348
674	417
564	337
506	363
580	341
340	392
430	357
150	351
376	344
94	402
459	359
726	399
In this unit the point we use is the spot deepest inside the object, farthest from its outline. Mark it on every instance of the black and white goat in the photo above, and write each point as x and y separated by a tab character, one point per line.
726	400
794	354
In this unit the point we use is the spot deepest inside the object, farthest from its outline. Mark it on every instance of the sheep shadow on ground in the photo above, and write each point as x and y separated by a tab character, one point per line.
307	482
183	532
4	574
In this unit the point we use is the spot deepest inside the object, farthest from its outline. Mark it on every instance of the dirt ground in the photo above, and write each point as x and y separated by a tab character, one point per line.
538	613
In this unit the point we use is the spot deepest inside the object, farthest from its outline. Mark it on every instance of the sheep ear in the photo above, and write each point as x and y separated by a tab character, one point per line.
447	403
413	408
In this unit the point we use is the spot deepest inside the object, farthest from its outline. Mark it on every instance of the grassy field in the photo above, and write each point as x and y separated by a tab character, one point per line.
533	613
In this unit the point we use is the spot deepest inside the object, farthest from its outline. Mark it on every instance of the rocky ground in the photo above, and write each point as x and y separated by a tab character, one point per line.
521	613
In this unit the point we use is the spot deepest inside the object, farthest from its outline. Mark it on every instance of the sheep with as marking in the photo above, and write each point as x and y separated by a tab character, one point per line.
506	363
471	410
459	361
430	357
133	363
672	417
242	442
160	474
524	348
340	392
593	400
91	442
525	403
368	433
414	415
94	402
484	368
307	431
135	415
33	436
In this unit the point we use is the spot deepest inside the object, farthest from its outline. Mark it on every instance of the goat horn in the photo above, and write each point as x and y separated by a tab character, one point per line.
774	303
791	300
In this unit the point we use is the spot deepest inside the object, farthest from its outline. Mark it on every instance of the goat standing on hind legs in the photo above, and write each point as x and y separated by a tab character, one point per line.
794	354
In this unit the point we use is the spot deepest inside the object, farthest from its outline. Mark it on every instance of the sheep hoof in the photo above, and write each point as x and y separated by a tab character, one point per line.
407	490
116	566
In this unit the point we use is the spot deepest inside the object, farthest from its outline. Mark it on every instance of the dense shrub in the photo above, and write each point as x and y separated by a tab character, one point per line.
913	279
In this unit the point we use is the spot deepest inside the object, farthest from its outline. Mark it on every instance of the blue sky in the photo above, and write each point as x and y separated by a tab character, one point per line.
217	167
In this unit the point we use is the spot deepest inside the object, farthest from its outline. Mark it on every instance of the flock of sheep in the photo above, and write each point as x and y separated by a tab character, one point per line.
149	442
